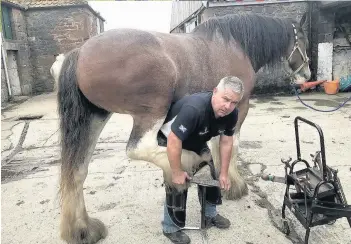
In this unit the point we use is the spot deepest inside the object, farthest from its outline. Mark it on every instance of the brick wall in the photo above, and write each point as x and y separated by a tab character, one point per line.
54	31
92	23
268	81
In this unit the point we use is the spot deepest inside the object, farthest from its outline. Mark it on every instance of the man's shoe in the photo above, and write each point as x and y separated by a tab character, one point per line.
218	221
178	237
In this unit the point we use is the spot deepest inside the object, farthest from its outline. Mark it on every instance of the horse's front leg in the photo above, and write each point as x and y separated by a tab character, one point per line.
143	145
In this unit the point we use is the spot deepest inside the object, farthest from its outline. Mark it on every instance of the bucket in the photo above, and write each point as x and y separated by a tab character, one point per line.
331	87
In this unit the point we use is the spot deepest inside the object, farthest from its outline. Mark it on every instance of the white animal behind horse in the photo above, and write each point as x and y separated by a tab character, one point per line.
56	68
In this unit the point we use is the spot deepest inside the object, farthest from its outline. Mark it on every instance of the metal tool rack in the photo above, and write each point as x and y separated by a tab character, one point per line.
313	194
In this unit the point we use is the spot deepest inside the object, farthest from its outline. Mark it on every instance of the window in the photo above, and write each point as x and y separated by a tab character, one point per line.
6	22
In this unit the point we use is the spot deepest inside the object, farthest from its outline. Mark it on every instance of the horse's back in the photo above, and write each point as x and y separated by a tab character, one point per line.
152	68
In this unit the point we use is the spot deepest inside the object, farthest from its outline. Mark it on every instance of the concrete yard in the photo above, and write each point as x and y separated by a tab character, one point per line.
128	195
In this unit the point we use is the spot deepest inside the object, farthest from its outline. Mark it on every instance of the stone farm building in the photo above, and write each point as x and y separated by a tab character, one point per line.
328	29
34	32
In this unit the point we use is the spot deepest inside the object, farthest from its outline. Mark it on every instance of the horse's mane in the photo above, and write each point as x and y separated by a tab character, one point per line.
264	39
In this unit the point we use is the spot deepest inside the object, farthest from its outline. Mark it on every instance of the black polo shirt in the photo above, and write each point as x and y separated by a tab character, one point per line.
193	121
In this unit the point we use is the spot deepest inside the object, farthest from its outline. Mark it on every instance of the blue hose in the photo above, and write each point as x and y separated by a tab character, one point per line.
319	110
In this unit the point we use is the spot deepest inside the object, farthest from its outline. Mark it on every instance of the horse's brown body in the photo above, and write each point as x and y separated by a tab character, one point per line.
154	70
141	73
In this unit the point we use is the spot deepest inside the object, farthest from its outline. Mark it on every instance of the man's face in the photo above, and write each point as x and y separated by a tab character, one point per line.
224	101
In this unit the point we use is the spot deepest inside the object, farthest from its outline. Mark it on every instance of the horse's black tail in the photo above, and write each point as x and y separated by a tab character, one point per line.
75	113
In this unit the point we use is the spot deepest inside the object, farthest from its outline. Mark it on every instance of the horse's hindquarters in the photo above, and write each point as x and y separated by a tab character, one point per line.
130	76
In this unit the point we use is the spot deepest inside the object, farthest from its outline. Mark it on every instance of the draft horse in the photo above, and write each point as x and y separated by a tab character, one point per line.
142	73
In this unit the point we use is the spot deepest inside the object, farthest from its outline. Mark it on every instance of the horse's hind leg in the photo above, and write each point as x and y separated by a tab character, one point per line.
76	226
81	123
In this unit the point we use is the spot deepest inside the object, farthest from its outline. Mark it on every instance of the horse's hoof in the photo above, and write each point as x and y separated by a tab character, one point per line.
87	233
236	191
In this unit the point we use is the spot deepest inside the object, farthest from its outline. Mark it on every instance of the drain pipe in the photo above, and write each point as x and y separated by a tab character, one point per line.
5	67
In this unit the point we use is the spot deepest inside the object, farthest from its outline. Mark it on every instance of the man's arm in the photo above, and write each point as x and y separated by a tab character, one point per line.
181	129
226	141
225	148
174	151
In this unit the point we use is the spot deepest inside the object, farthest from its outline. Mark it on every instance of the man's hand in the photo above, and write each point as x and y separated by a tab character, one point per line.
179	177
224	181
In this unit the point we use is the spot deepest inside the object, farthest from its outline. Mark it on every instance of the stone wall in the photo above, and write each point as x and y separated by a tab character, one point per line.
287	9
53	31
341	58
342	44
268	80
322	40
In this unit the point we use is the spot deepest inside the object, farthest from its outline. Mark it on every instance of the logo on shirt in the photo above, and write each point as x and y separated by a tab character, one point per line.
182	128
203	132
220	131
